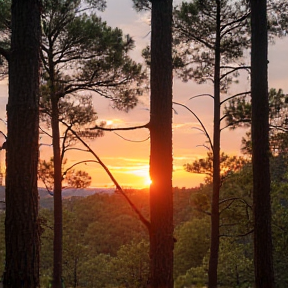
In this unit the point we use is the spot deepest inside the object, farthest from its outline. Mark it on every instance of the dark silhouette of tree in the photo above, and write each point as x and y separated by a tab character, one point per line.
161	196
22	225
264	275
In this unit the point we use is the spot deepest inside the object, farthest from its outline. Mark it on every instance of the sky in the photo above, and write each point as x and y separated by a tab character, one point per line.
129	161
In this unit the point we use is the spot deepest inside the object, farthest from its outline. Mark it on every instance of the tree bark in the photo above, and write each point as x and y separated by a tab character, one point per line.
21	225
58	225
264	276
161	197
215	216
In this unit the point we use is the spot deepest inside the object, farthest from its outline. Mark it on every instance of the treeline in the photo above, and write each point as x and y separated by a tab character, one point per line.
105	244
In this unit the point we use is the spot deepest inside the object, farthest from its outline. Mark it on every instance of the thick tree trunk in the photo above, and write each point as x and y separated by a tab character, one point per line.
21	225
57	246
161	198
214	244
264	276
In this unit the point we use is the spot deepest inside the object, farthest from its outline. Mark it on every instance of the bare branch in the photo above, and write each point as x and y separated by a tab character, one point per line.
200	95
232	200
118	187
204	146
233	69
238	235
78	163
120	129
234	123
44	132
201	123
75	148
129	140
3	134
234	96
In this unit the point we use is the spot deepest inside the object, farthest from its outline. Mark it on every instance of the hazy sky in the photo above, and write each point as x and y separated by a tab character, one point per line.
129	161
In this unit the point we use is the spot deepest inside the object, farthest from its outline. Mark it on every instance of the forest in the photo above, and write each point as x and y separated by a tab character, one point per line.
230	231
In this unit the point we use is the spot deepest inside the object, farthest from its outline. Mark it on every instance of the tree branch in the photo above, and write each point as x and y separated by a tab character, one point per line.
200	95
201	123
75	164
233	69
120	129
238	235
118	187
234	96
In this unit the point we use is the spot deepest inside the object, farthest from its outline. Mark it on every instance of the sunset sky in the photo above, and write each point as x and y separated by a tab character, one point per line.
129	161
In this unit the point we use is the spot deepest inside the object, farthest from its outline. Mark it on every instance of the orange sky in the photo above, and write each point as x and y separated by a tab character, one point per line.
129	161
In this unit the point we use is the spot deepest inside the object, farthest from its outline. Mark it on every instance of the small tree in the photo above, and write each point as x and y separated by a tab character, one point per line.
80	52
214	34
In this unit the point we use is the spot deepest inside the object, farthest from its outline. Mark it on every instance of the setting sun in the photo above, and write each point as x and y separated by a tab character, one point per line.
147	181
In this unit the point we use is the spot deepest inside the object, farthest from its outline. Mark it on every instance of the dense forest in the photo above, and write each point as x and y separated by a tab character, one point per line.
105	245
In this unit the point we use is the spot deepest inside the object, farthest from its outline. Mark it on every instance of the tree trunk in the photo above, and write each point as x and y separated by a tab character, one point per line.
57	246
214	242
161	197
264	276
21	225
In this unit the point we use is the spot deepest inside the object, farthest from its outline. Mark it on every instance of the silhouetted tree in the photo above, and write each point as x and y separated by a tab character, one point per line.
264	275
22	226
161	196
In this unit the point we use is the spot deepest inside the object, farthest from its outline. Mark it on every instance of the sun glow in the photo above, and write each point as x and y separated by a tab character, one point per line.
143	175
147	181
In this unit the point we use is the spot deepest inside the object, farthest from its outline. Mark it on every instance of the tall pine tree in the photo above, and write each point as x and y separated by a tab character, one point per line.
22	226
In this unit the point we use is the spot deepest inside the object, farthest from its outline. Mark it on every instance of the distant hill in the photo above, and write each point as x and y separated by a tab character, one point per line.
46	198
70	192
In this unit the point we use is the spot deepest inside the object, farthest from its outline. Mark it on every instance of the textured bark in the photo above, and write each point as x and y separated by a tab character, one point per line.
161	200
215	216
264	276
21	226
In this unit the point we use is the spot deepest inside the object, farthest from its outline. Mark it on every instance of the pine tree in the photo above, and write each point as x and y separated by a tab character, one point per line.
22	225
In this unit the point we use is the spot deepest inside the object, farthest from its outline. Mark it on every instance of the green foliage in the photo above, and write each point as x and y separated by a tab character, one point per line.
97	272
235	267
78	179
71	177
75	110
46	173
95	254
194	38
280	231
131	265
84	53
238	114
193	239
228	166
140	5
235	264
5	31
46	251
